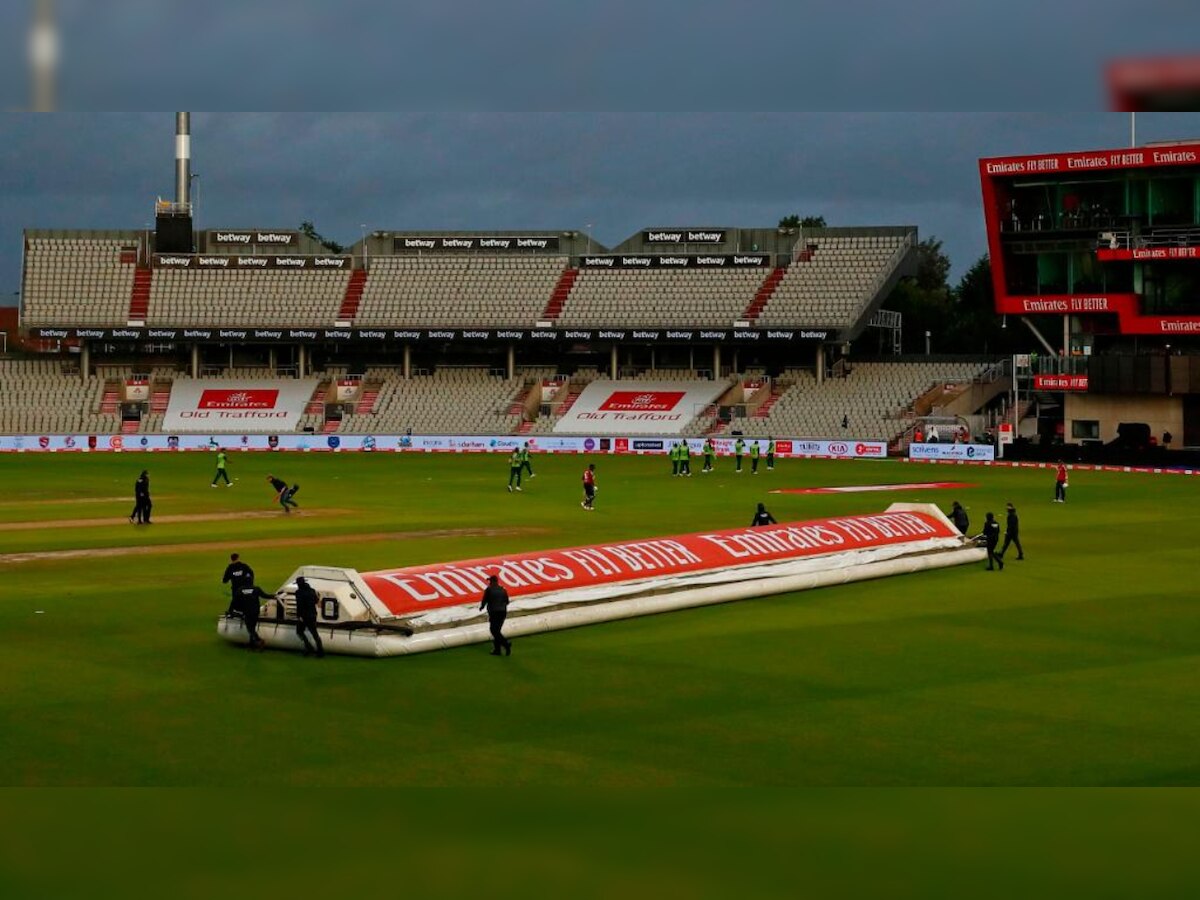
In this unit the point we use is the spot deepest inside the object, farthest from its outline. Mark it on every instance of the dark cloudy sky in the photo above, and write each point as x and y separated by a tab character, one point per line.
617	171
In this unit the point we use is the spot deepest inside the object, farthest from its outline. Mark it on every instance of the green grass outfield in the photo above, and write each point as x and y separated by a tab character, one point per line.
1077	666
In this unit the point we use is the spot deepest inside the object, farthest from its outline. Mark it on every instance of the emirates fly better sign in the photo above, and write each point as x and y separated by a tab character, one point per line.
633	407
216	405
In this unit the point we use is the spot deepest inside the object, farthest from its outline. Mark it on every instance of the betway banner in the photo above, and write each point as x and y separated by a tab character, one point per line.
487	243
638	407
224	405
418	589
229	261
952	451
666	261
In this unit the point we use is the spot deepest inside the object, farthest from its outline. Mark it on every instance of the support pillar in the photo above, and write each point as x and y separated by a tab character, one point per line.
271	360
820	363
301	361
408	360
85	360
612	363
512	361
716	361
735	361
195	360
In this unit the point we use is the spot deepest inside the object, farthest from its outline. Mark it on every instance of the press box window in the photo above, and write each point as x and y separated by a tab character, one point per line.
1085	429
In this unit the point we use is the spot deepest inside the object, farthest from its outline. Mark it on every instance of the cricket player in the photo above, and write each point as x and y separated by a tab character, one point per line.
710	454
739	450
284	493
526	465
770	454
589	487
754	451
685	459
514	470
221	473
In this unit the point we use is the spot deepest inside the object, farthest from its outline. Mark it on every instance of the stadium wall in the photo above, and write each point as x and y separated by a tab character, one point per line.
786	448
1110	410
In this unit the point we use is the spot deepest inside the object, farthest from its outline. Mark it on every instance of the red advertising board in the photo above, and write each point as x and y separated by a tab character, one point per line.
1126	307
1060	382
418	589
642	401
238	399
1091	161
1138	254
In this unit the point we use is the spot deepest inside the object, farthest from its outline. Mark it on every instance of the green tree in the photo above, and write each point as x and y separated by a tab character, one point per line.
308	229
924	301
795	221
975	326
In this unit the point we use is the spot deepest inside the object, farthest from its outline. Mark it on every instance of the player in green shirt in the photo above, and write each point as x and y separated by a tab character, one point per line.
754	451
221	473
514	470
526	465
685	459
710	454
674	454
739	450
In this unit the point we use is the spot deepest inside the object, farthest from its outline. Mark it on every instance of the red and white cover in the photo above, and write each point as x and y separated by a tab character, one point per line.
416	590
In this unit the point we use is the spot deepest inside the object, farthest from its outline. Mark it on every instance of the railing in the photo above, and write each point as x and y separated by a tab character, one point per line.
1045	364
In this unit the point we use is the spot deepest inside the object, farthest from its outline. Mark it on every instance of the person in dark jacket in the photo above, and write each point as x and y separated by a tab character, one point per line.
991	537
762	517
1012	533
237	575
248	596
306	612
284	493
958	516
495	601
141	500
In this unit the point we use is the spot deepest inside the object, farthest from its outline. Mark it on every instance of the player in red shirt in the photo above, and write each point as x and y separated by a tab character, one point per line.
1060	484
589	486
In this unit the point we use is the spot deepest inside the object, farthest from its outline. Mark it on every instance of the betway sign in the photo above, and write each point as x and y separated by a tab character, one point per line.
684	236
638	407
219	405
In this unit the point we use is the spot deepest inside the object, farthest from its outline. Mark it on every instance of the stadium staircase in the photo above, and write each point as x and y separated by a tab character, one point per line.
764	409
558	298
130	426
110	399
367	398
568	401
139	299
160	397
331	425
759	303
353	295
316	403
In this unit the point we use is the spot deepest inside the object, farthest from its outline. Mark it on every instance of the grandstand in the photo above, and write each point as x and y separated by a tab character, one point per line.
661	297
838	279
270	297
458	290
873	397
78	281
455	332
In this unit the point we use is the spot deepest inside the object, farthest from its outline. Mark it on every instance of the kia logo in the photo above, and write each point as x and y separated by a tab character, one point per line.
839	449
